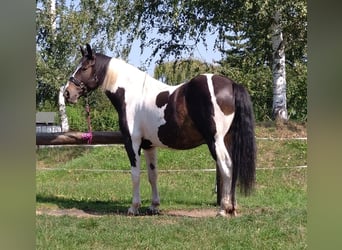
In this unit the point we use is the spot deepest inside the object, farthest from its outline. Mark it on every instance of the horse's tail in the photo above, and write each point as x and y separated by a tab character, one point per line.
243	147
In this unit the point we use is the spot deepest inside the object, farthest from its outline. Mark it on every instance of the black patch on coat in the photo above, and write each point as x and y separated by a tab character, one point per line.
145	144
101	66
201	110
223	89
152	166
118	101
189	117
162	98
179	131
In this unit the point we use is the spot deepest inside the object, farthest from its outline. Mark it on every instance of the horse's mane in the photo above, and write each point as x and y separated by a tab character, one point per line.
111	76
114	69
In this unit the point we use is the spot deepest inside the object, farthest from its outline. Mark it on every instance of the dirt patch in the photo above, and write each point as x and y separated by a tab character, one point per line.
287	129
193	213
69	212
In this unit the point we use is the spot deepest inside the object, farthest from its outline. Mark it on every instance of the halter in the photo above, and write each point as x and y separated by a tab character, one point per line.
78	83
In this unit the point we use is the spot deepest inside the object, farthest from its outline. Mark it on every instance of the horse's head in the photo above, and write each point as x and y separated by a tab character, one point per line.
84	79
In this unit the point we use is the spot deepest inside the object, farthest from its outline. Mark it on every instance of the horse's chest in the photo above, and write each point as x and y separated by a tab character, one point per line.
149	119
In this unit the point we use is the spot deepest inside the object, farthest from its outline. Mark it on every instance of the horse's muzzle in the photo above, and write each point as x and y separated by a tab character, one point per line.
66	94
70	98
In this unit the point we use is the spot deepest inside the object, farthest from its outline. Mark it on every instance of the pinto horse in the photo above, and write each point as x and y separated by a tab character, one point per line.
209	109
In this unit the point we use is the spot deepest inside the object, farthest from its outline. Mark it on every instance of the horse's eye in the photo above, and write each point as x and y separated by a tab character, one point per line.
84	68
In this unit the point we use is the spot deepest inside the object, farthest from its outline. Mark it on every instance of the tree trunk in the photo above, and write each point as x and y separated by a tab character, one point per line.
279	109
62	111
53	17
61	100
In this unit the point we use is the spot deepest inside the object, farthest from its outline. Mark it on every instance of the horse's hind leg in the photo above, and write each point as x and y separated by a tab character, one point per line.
225	167
151	163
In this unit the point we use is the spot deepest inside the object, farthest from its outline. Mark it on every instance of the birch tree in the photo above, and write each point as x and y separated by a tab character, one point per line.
279	109
61	101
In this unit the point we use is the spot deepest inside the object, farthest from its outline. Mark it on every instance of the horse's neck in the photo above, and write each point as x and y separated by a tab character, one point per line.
123	75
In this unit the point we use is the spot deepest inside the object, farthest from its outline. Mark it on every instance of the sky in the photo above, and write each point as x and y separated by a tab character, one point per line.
208	55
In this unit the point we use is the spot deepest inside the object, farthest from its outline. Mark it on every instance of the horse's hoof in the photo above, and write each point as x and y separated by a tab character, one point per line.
132	212
232	213
221	213
227	213
152	211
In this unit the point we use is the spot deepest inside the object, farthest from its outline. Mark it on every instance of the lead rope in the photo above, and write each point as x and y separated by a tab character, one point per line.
88	136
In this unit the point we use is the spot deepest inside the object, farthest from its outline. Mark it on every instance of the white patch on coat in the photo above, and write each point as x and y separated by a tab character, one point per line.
141	90
222	121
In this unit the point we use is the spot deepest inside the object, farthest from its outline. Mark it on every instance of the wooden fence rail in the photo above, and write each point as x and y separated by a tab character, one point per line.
73	138
98	137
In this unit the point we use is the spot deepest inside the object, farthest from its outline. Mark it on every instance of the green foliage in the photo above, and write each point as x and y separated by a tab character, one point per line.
103	115
106	24
176	72
242	30
297	91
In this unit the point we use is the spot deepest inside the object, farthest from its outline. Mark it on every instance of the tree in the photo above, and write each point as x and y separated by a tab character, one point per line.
176	72
244	31
257	32
279	108
108	25
62	27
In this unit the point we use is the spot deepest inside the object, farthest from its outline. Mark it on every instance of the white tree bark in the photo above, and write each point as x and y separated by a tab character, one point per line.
61	100
279	108
62	111
53	16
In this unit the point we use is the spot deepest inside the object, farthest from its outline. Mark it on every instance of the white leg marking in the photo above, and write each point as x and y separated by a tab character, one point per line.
226	169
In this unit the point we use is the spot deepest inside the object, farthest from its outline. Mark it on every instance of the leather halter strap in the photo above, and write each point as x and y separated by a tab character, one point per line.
77	82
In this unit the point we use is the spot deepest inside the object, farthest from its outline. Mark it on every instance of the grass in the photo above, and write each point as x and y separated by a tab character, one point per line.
271	230
283	153
273	217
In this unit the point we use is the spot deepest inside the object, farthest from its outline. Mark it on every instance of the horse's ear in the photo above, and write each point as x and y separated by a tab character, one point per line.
82	50
90	52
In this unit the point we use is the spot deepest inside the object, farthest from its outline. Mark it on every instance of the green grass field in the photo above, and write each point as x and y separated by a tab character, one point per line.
79	179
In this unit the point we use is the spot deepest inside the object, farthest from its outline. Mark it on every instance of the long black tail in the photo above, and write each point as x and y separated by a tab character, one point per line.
243	147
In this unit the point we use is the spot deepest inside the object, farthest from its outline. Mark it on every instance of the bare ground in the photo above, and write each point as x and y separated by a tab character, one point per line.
195	213
288	129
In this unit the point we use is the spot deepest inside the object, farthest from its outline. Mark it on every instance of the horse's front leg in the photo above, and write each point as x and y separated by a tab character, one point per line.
151	163
134	158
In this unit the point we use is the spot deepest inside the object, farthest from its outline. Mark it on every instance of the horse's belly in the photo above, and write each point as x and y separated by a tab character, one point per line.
185	137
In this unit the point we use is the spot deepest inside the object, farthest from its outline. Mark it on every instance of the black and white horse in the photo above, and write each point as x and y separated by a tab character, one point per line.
209	109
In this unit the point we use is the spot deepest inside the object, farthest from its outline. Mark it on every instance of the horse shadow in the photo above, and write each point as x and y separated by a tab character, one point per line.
92	207
96	207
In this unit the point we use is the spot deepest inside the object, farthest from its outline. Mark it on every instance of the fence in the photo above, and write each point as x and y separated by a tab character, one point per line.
97	137
100	137
75	138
